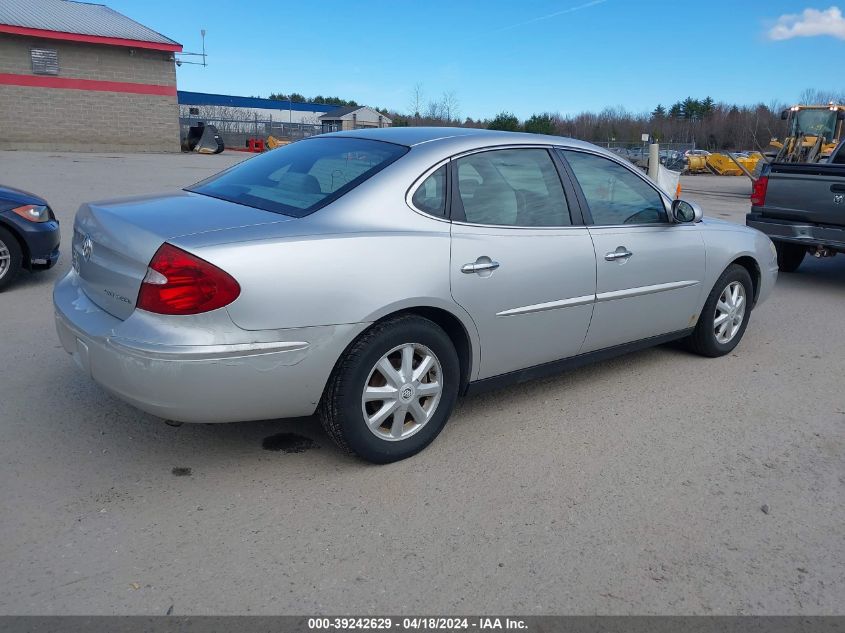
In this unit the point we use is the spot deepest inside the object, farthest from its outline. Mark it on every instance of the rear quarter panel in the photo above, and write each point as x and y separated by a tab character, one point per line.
334	279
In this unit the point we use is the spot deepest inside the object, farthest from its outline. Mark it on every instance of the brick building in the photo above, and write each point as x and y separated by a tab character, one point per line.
80	76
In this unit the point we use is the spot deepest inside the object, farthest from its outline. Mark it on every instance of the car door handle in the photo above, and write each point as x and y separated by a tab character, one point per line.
619	253
479	266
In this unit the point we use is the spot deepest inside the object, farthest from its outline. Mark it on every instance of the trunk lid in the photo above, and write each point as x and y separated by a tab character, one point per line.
114	240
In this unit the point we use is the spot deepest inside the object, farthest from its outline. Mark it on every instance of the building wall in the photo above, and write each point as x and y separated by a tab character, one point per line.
364	118
113	117
369	117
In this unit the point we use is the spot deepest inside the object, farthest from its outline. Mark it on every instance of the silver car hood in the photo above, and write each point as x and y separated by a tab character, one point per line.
114	240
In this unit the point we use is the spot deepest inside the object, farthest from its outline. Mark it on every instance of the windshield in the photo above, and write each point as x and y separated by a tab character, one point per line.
814	123
301	177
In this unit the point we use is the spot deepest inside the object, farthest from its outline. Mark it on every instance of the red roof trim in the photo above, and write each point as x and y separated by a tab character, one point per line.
89	39
42	81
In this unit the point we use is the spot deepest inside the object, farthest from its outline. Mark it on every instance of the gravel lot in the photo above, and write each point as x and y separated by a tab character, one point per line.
631	486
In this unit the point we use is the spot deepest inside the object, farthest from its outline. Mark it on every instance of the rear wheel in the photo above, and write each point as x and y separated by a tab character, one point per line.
790	256
725	314
393	390
11	258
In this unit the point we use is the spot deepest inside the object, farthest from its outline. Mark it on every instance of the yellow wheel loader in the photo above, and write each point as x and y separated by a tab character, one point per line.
813	132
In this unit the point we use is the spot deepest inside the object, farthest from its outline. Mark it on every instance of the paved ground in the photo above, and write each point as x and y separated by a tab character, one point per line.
632	486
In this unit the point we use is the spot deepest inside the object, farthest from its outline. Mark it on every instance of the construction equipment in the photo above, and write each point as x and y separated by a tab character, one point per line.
273	142
697	164
813	131
733	164
202	138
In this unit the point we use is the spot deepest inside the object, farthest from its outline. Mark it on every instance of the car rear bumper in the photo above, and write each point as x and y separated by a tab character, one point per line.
798	232
226	381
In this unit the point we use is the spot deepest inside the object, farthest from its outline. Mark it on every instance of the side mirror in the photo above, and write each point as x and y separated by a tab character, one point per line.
685	212
784	115
840	115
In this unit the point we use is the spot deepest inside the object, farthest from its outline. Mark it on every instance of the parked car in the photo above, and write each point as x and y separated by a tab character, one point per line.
620	151
373	276
29	234
801	206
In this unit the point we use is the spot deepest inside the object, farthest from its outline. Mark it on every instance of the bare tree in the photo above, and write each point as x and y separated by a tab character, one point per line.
434	110
417	99
450	106
812	96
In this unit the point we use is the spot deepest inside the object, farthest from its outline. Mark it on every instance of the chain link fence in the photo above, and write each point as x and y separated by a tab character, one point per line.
671	154
236	132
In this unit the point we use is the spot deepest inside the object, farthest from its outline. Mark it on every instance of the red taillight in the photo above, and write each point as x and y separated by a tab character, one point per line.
758	193
180	283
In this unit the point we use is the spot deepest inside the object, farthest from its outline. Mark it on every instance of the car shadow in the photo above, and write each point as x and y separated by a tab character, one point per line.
94	420
827	274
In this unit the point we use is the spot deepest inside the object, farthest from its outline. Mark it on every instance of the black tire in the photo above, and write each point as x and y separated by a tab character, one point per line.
9	271
703	340
790	256
341	411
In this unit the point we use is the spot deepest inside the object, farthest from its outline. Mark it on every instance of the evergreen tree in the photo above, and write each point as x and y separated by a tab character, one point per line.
505	121
540	124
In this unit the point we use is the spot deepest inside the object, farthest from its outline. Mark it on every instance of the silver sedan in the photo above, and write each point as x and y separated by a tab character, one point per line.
374	276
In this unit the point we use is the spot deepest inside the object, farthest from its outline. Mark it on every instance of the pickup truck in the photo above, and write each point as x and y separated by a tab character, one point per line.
801	207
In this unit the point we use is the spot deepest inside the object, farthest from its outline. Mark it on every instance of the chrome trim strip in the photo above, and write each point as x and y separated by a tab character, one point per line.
644	290
202	352
549	305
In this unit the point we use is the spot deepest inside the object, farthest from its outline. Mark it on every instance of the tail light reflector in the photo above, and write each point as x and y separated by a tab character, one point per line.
180	283
758	193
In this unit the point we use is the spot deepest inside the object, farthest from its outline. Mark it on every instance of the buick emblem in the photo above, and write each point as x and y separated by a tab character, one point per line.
87	248
839	198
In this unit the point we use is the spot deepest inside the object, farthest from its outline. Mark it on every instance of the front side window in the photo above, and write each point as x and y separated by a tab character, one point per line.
430	196
513	187
614	194
299	178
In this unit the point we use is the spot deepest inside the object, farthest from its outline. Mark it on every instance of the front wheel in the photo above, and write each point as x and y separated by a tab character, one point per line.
393	390
725	314
11	258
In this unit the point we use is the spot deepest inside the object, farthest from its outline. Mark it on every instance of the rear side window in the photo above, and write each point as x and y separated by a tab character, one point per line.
839	156
614	194
299	178
430	196
514	187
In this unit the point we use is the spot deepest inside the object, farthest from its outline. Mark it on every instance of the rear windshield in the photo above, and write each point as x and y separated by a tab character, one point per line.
301	177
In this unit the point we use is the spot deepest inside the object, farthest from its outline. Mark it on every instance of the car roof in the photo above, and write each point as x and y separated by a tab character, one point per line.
413	136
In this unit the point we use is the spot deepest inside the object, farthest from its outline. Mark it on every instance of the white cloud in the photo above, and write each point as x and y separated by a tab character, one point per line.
809	23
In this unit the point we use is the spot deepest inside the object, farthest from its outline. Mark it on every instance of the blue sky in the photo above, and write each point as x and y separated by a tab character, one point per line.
530	56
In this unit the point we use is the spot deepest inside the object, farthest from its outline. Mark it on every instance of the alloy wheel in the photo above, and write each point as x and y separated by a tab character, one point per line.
5	259
402	392
730	312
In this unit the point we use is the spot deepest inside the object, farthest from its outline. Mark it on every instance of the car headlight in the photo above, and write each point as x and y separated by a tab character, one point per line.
33	213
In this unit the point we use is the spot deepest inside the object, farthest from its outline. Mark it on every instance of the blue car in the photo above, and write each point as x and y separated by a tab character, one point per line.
29	234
